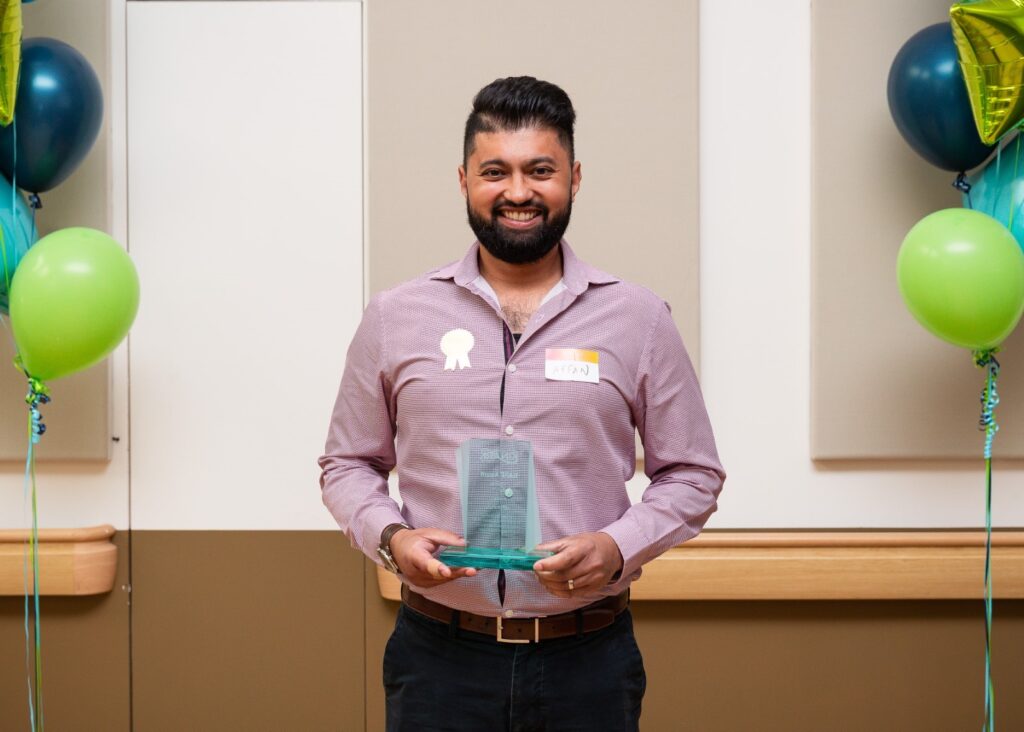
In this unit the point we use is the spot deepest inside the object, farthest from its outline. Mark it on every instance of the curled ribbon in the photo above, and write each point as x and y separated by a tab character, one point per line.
987	423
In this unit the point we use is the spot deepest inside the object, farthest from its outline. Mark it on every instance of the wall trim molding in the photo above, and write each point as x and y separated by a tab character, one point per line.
71	561
826	565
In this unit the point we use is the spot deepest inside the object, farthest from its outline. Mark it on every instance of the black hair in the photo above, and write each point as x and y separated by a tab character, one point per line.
518	102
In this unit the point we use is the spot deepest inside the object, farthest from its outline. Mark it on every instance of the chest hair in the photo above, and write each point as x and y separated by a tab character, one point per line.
518	309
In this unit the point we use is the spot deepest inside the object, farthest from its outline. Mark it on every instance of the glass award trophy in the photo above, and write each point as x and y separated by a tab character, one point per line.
500	521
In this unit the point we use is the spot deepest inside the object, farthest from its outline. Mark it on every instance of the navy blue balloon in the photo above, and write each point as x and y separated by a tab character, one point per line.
929	103
58	112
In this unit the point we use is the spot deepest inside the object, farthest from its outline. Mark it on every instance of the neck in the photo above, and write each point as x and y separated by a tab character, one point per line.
502	276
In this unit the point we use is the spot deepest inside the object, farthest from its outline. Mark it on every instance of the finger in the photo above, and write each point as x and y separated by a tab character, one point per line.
553	579
548	580
588	582
427	580
564	561
588	566
440	536
424	562
423	579
557	562
559	587
558	584
552	546
439	569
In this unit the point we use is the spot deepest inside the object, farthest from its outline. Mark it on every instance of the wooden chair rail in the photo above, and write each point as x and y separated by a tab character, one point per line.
71	561
825	565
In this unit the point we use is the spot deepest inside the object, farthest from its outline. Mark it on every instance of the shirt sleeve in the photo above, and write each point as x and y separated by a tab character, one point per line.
360	449
680	457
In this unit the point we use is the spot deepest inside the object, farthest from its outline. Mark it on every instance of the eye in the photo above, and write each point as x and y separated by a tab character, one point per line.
492	173
543	171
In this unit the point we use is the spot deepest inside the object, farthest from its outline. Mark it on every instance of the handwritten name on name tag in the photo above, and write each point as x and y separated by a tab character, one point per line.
571	364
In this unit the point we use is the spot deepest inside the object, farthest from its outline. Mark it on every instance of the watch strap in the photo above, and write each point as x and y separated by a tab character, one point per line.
384	549
389	531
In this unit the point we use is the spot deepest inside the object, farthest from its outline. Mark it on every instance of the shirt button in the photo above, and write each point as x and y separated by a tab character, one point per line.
509	613
509	493
511	368
509	430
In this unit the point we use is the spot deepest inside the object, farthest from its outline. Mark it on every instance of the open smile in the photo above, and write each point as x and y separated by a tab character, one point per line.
518	218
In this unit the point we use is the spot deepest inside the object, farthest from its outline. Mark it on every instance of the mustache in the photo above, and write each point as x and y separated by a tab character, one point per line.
537	205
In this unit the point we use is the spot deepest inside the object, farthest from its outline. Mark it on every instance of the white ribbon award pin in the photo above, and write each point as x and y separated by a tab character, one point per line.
456	345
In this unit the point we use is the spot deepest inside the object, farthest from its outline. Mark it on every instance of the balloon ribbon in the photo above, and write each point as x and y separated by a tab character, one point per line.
989	400
963	185
38	394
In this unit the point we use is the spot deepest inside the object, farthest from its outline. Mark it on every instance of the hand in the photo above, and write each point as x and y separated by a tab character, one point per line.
589	560
413	551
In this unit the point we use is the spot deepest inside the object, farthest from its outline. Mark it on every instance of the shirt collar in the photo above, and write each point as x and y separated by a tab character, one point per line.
576	274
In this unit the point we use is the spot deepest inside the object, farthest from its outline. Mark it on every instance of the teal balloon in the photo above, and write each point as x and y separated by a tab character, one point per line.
998	189
17	234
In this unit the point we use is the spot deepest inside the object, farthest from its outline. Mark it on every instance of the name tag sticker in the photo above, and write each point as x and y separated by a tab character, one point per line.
571	364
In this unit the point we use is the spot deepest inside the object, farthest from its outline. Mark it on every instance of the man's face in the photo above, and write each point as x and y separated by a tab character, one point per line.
519	187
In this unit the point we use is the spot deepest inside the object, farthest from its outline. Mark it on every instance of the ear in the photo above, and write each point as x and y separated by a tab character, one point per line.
463	183
577	177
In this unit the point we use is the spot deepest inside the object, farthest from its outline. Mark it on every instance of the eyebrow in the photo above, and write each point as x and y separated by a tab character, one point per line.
529	163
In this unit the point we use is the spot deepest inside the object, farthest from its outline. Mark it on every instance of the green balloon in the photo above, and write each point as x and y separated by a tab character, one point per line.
73	299
961	274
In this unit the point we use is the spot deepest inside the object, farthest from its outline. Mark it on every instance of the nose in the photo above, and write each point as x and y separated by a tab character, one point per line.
518	190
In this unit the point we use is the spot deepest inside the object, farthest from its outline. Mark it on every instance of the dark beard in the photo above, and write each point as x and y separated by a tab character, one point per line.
519	247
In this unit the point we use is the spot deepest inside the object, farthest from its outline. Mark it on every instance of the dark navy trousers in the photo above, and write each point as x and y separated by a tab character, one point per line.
437	678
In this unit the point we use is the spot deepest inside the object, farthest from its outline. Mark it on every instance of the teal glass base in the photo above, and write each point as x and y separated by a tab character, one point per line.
487	558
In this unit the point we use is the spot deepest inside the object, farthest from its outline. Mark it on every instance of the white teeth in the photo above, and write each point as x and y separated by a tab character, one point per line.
519	215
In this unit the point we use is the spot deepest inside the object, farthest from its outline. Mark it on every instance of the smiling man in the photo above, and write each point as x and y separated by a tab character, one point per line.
519	341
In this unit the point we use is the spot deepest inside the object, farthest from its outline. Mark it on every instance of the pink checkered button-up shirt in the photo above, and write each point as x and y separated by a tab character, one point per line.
399	405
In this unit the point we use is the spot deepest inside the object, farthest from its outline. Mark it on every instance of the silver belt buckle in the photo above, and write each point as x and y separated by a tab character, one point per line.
536	633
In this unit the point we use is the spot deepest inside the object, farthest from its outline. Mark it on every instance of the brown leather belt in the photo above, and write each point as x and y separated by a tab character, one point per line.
587	619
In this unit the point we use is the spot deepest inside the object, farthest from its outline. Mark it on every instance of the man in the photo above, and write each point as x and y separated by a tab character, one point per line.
519	341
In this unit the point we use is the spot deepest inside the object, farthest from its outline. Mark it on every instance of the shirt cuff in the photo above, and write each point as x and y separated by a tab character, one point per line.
631	542
373	526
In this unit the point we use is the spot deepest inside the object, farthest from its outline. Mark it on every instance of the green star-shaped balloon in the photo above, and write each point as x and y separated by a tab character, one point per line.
989	36
10	57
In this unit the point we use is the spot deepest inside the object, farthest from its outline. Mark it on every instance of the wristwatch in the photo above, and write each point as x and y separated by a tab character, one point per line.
384	550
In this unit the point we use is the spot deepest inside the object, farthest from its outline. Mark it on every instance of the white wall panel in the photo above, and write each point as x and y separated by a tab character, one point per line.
245	220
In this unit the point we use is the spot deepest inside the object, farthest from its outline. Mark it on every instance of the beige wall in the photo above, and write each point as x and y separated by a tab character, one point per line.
632	77
79	418
883	386
757	266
